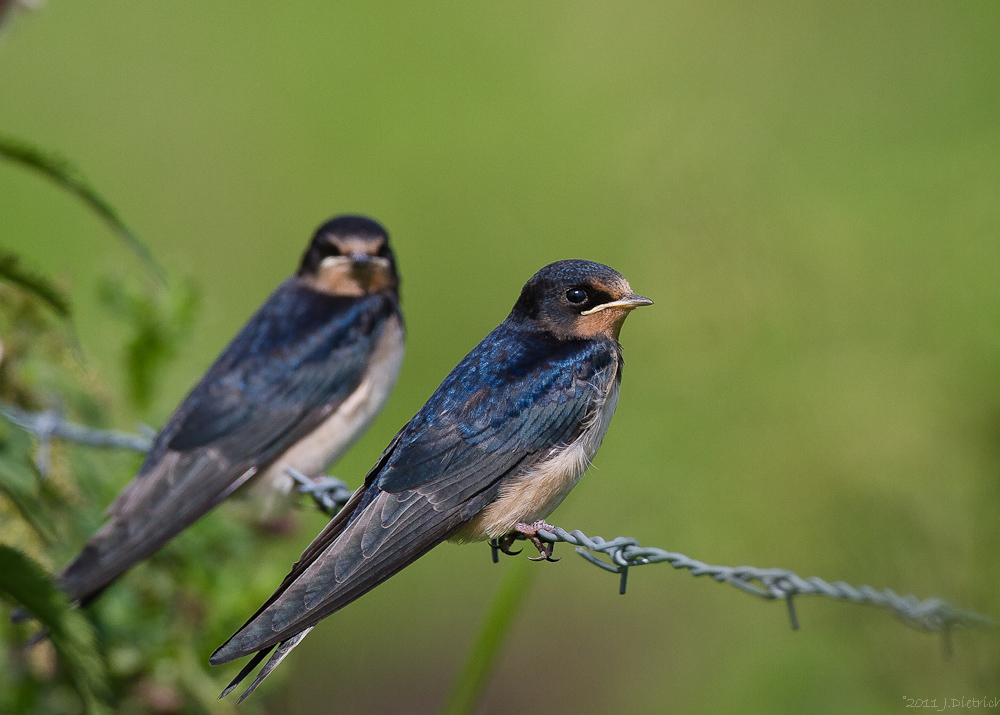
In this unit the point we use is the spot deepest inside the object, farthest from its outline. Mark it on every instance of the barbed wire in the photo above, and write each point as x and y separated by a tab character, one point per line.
623	552
329	493
50	423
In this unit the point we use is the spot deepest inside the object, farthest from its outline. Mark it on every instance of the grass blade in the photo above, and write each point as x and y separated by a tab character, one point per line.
13	272
25	583
468	688
66	176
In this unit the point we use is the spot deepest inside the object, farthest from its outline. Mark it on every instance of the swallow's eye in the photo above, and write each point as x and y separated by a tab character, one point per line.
332	249
576	296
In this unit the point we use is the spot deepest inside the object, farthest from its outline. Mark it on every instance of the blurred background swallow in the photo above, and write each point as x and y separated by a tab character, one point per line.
494	450
300	382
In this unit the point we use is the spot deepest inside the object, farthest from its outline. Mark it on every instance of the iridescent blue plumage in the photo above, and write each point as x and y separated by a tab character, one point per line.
301	350
519	391
507	432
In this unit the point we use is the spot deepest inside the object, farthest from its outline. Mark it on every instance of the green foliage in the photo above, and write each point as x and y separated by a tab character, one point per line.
63	174
40	358
158	321
156	626
12	272
19	480
25	583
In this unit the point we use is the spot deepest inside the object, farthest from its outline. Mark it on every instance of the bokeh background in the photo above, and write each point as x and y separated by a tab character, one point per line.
809	191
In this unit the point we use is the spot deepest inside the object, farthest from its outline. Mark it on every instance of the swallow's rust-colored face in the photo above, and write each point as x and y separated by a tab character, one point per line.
578	299
350	256
606	317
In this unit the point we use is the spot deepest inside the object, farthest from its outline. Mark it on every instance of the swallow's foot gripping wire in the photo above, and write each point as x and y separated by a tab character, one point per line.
530	531
329	493
521	530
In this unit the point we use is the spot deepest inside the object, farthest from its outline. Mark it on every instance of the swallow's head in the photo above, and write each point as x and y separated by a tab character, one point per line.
350	256
577	299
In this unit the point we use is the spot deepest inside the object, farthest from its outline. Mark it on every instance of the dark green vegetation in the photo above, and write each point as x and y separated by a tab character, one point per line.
809	194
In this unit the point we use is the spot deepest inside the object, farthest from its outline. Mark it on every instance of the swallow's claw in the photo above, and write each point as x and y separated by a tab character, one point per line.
329	493
544	551
531	532
505	542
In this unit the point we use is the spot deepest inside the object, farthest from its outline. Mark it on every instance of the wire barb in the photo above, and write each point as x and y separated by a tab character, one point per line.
793	617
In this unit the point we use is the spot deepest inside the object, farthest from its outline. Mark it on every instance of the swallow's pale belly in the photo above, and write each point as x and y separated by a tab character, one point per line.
535	493
328	442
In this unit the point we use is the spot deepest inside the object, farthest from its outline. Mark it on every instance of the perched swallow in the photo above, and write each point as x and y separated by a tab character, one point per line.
495	449
302	380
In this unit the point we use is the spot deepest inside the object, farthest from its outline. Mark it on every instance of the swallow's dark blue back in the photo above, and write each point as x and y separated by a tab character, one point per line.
301	349
518	393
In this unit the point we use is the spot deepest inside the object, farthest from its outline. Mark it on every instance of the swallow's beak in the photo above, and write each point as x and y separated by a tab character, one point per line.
363	264
629	302
369	270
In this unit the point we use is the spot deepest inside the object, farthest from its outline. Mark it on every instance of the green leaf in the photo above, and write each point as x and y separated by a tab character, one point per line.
13	272
25	583
19	479
66	176
158	321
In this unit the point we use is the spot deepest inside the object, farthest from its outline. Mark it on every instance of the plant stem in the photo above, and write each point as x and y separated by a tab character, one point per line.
472	679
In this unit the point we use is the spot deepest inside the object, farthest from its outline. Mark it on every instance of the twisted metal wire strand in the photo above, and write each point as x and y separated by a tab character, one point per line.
50	423
623	552
330	493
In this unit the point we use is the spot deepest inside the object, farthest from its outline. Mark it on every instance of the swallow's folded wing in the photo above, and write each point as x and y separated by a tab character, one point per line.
290	367
440	471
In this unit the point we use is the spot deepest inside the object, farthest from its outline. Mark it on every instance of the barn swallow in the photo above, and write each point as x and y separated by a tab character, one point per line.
494	450
300	382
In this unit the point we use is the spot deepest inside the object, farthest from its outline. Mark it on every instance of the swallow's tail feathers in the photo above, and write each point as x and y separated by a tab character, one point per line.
254	662
284	648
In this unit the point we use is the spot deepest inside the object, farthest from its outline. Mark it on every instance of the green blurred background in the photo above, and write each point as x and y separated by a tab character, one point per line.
809	192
